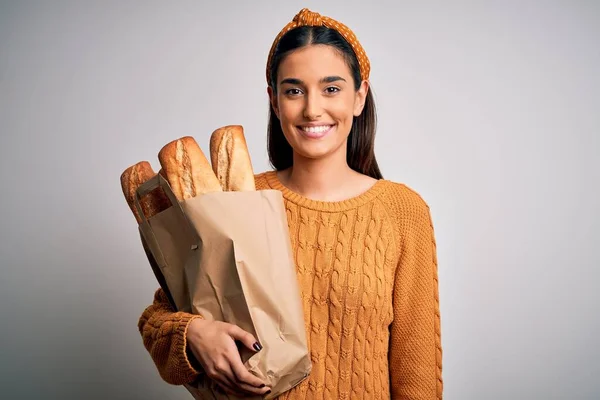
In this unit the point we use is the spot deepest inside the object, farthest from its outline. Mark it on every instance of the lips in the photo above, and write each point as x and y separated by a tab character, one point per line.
315	132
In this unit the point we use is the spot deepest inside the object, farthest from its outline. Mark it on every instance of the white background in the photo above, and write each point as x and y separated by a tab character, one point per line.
490	110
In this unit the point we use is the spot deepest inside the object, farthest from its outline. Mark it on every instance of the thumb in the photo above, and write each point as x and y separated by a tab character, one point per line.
246	338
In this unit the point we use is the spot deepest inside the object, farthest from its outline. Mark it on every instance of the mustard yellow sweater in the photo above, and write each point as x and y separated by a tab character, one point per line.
367	270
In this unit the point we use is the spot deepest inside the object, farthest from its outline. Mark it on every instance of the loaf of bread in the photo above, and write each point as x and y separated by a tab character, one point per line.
153	202
187	169
230	159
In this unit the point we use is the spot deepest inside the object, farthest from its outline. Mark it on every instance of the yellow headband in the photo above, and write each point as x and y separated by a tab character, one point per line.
309	18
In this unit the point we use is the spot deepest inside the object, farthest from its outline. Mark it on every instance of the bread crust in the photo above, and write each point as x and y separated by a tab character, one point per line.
187	169
152	203
230	159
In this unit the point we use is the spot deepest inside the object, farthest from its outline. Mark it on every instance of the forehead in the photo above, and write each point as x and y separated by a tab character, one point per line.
314	61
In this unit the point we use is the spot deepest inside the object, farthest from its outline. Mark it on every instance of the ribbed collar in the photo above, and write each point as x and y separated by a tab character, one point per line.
329	206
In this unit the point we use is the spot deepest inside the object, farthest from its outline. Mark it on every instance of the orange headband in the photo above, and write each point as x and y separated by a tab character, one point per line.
309	18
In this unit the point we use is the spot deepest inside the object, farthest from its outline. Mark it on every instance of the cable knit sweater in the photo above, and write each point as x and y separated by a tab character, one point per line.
367	270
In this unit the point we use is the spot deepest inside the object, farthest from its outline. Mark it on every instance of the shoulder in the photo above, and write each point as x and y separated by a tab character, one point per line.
403	199
261	180
408	211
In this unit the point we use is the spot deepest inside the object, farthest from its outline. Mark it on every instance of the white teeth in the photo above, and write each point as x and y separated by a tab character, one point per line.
316	129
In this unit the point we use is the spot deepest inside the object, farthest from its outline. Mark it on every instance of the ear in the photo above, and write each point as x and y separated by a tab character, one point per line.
273	100
360	98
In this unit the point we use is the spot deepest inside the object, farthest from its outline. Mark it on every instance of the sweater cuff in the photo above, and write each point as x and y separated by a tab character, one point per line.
187	364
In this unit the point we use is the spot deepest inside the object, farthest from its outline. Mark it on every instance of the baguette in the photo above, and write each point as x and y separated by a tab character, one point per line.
152	203
230	159
186	168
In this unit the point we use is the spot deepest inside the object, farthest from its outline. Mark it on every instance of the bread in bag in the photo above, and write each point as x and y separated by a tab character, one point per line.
230	159
187	169
153	202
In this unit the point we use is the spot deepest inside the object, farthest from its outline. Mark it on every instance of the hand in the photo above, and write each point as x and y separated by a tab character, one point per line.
213	345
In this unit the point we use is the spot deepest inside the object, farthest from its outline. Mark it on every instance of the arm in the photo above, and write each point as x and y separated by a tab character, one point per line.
415	335
164	335
172	338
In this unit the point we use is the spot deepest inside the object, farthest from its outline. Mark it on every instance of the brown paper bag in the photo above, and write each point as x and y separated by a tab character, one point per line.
227	256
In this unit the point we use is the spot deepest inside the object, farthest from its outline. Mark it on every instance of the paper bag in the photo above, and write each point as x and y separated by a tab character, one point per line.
227	256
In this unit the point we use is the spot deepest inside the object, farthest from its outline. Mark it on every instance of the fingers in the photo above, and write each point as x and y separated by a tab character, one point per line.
241	374
228	380
218	354
229	390
245	379
245	337
219	374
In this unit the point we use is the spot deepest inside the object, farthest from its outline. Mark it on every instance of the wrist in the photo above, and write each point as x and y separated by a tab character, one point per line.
190	334
192	359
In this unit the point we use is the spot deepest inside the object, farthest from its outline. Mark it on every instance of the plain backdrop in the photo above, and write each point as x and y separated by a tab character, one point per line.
490	110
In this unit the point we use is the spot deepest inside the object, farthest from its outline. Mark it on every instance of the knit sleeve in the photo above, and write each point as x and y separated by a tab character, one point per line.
164	336
415	336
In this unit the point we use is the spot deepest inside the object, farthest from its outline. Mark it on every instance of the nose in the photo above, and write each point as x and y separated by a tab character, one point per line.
313	107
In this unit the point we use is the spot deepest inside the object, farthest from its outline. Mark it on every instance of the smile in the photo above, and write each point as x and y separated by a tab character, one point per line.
315	132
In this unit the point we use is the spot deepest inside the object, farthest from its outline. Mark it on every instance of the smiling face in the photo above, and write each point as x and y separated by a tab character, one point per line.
316	101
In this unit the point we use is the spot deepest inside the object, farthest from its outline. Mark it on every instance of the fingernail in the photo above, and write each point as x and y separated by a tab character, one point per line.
257	346
262	386
268	391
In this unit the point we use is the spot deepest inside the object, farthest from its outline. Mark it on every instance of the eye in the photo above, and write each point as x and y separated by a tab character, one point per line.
332	89
293	92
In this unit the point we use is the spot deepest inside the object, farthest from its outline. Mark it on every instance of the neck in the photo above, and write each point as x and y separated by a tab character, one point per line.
318	178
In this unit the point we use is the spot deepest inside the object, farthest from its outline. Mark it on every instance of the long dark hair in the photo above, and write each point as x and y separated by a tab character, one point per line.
360	153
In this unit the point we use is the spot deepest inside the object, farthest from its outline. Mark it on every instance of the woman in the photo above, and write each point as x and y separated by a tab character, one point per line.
364	246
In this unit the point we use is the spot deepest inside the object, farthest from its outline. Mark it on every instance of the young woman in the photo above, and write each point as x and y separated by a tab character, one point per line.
364	246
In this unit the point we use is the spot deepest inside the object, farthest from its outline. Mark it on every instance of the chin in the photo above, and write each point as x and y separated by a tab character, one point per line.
315	151
313	154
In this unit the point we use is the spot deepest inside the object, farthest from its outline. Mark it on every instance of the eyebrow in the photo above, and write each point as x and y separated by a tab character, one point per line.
327	79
